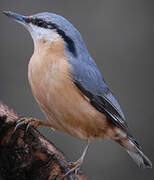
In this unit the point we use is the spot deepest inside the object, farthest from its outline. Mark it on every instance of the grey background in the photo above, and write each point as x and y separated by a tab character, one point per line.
120	37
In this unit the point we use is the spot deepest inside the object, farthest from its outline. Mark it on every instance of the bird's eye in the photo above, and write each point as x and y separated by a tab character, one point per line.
40	23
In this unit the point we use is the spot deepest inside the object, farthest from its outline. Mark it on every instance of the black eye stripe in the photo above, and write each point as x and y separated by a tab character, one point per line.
68	40
48	25
41	23
36	21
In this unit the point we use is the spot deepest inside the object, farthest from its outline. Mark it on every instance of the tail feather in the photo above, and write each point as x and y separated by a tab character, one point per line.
133	149
141	160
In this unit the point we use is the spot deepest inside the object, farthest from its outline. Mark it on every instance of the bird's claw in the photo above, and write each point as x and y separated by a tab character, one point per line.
74	167
27	121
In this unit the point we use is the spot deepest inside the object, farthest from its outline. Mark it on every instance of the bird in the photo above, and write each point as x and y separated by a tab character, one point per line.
70	89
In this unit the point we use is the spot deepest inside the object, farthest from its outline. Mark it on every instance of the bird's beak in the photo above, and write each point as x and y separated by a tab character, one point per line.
17	17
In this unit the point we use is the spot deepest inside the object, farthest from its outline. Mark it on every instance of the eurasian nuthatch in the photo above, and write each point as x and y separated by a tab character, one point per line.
70	89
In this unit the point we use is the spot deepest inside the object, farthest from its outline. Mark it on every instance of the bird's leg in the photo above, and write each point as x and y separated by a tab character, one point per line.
75	166
31	122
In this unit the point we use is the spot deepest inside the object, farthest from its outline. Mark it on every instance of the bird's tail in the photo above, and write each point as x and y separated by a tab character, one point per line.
133	149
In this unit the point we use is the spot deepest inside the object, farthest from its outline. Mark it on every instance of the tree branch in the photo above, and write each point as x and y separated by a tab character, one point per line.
28	155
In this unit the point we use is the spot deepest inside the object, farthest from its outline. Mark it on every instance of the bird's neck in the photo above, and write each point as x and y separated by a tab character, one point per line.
47	54
44	46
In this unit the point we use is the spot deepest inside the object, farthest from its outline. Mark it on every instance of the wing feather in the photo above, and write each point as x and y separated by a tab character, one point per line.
89	81
104	105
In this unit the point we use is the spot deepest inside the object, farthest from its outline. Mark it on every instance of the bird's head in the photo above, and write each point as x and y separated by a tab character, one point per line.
50	27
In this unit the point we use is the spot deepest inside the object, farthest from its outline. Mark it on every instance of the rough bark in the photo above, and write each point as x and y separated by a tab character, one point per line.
28	155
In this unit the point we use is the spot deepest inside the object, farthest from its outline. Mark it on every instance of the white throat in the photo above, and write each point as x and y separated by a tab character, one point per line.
39	33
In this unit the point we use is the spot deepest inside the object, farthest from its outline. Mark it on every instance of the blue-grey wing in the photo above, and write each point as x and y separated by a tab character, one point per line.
89	81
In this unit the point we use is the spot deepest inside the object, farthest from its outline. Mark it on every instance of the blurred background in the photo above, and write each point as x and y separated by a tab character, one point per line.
120	37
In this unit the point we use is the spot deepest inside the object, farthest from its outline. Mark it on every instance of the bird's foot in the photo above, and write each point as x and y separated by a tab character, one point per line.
74	167
28	122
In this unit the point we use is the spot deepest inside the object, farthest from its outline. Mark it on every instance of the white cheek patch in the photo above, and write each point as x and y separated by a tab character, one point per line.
39	33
